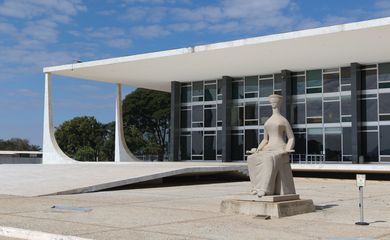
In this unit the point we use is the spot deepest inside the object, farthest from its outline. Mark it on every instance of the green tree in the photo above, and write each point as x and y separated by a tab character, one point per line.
18	144
107	150
148	111
85	153
79	133
135	140
133	137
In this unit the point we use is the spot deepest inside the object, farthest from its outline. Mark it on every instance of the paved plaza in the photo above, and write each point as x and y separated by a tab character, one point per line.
31	180
192	212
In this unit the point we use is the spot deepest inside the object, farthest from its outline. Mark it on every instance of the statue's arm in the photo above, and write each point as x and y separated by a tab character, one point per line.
290	137
263	142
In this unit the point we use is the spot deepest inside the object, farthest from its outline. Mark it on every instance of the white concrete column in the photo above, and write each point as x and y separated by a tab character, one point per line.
122	152
51	151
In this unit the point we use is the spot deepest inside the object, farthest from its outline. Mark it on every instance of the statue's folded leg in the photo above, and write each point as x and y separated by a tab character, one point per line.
251	160
278	183
285	175
265	173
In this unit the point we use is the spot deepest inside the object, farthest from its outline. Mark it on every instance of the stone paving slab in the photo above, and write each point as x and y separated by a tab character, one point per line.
192	212
38	179
49	225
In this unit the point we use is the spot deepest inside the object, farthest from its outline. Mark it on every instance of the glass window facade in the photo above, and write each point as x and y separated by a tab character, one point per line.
313	81
333	144
331	82
201	121
369	78
320	114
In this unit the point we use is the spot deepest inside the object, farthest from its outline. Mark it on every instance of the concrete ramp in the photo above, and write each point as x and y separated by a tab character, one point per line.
38	180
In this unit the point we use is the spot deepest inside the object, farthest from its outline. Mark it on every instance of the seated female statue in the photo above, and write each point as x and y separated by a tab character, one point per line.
269	167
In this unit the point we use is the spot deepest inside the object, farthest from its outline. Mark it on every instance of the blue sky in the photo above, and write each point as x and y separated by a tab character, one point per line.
38	33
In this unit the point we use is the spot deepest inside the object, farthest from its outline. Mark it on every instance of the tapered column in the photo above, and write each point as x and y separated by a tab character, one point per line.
356	85
174	136
227	119
122	152
52	154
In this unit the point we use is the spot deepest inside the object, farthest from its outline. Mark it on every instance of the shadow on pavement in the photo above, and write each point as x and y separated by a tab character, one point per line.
323	207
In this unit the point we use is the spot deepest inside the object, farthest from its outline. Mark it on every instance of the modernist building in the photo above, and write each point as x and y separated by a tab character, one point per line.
20	157
335	82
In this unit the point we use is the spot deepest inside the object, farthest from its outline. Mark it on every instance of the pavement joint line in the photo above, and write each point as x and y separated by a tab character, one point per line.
172	234
34	235
178	209
160	201
134	204
353	199
110	226
61	220
135	227
383	235
140	230
276	228
182	221
352	223
102	231
104	204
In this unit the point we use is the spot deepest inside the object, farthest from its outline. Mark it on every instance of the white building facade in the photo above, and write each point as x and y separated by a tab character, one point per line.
335	82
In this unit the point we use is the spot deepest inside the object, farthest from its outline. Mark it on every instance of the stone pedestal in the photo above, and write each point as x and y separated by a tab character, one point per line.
276	206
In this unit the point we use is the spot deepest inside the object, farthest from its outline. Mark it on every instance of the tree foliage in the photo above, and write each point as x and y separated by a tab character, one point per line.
18	144
85	153
78	135
149	111
146	123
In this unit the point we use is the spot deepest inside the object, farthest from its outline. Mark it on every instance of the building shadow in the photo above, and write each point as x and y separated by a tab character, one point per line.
185	180
326	206
378	221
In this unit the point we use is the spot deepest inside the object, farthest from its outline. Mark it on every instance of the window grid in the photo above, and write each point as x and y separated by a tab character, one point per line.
251	101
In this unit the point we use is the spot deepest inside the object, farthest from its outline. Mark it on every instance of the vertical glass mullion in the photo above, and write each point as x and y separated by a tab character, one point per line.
307	132
340	119
377	107
192	87
323	119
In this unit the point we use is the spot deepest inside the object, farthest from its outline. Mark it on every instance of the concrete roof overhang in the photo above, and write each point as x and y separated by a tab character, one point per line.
364	42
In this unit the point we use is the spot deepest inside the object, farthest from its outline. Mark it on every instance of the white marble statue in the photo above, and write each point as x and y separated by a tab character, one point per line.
269	167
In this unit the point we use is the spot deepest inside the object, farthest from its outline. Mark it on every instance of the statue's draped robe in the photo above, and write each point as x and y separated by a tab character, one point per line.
269	169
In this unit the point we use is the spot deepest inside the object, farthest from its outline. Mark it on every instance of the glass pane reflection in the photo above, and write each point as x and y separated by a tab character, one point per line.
369	110
185	147
314	141
331	82
266	88
210	92
197	143
370	146
209	148
385	140
333	144
331	112
237	147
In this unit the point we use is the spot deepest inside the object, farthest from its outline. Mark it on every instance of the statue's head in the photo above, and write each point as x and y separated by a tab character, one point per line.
275	100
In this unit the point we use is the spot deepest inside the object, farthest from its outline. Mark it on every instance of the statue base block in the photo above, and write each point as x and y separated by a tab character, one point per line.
276	206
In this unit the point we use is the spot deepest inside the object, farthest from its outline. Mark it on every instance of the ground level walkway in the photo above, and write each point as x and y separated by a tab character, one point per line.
51	179
55	179
192	212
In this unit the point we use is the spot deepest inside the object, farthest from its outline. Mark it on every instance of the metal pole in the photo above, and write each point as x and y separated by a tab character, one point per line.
361	222
361	204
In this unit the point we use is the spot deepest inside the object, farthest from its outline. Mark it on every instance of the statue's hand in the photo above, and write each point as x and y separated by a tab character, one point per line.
290	151
252	151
